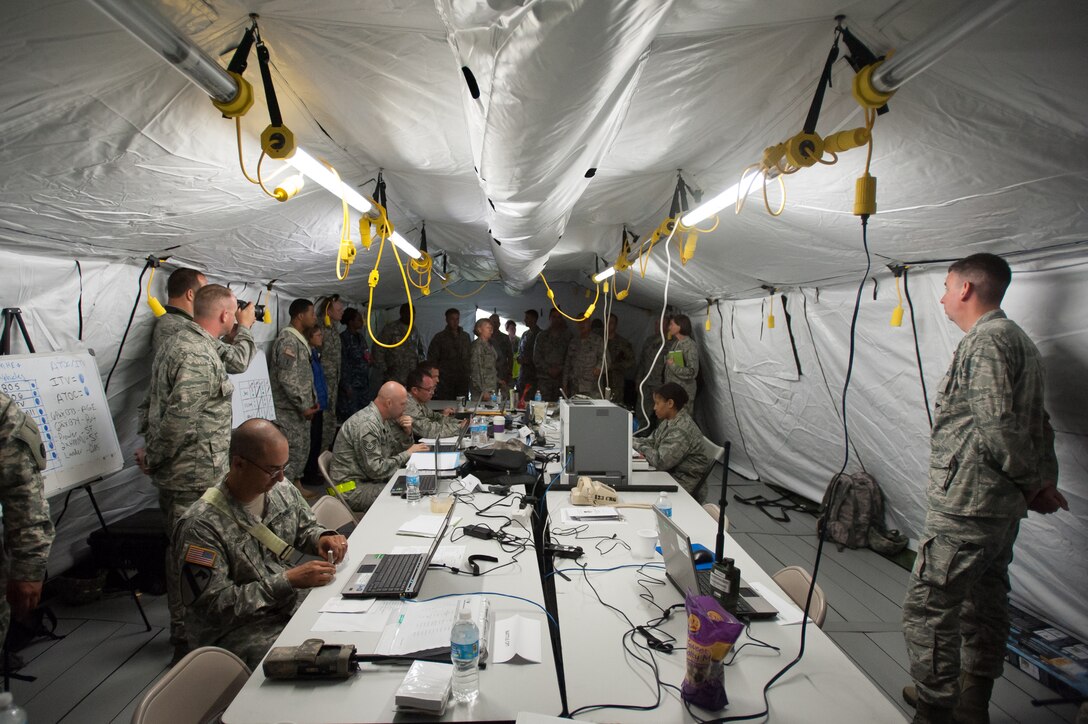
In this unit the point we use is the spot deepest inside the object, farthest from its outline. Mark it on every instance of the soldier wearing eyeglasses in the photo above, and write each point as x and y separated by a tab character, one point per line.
425	421
237	549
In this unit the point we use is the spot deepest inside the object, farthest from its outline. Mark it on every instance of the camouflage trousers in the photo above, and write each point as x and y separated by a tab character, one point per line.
363	496
956	612
173	504
328	424
296	429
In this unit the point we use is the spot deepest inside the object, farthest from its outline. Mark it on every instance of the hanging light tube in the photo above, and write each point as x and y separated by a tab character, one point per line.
149	27
726	198
606	274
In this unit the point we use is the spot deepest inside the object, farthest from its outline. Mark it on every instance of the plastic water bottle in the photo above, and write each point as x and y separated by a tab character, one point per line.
10	713
664	504
479	430
411	483
537	397
465	654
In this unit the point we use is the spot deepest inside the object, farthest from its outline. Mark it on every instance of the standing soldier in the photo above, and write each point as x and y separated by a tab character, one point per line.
651	374
621	360
504	355
991	461
189	421
329	314
354	393
181	289
28	532
550	355
394	363
450	350
293	389
528	376
682	357
482	376
583	364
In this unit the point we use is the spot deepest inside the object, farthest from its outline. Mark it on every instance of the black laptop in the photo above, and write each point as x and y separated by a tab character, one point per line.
394	575
428	484
680	570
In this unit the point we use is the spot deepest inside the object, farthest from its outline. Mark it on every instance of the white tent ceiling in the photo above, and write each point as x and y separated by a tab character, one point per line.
108	154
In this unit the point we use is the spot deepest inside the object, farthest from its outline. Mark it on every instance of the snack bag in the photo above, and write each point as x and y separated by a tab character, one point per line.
712	631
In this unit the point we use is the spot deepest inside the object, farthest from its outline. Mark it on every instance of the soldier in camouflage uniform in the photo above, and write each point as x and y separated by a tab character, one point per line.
182	287
621	360
550	356
992	460
676	446
425	421
504	353
528	375
293	387
354	393
238	593
372	445
653	372
450	350
483	377
28	532
685	374
329	314
394	363
583	363
189	420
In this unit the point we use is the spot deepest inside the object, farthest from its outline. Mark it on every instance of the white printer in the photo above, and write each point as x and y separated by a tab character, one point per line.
596	438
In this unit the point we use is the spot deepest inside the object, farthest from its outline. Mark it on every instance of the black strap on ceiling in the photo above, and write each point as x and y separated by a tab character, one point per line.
821	88
263	57
79	308
240	60
423	238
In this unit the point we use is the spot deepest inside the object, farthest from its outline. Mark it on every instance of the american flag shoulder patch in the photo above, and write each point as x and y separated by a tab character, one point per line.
200	556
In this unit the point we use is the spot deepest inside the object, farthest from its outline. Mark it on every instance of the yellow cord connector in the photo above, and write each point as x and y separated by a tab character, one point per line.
155	304
589	309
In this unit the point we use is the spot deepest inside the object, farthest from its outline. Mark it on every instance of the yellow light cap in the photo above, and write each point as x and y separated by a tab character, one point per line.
156	306
770	321
897	316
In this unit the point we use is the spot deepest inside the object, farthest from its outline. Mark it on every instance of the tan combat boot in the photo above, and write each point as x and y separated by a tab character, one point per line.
927	714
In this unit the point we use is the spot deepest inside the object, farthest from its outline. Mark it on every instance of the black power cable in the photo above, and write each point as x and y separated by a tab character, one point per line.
131	316
917	350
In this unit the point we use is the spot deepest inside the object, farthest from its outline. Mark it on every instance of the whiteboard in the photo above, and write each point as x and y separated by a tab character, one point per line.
252	392
62	393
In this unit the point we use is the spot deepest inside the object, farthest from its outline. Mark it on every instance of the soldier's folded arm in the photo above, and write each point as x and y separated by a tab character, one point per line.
222	599
1005	437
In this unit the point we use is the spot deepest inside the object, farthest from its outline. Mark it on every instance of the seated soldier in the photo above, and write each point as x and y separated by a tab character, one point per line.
425	421
372	445
238	592
676	446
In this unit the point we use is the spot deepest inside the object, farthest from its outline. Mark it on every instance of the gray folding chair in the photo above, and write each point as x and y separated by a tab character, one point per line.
331	513
196	690
323	461
715	454
795	580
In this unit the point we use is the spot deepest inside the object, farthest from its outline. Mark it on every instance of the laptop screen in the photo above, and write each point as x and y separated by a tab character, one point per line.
676	549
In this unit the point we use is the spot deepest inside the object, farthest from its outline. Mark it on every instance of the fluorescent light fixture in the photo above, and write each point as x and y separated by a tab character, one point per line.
711	206
606	274
324	176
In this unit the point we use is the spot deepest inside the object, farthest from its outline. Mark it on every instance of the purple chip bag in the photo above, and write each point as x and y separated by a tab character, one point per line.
712	631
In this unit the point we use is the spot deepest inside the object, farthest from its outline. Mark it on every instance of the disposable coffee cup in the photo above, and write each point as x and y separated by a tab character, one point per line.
644	544
441	502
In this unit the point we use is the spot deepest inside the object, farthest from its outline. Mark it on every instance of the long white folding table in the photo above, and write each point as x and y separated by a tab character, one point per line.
505	689
824	686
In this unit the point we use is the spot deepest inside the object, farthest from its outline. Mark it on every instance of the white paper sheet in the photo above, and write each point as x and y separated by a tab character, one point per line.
517	639
426	526
373	621
347	605
446	461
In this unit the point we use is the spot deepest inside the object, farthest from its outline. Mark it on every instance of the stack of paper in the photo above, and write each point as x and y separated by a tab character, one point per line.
426	688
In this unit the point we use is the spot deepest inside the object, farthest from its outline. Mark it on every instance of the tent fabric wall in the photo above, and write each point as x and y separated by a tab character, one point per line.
790	432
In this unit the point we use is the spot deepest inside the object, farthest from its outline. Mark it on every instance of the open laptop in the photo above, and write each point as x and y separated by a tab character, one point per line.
428	484
394	575
680	570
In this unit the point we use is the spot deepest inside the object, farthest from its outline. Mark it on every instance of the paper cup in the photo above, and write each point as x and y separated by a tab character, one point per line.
441	502
644	544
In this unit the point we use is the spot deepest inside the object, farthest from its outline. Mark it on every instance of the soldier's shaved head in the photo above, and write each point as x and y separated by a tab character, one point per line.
391	400
254	438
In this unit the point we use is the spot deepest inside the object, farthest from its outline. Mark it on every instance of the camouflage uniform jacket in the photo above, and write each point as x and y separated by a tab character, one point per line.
235	589
550	350
676	446
429	423
28	531
354	374
621	361
368	449
684	376
189	413
657	375
396	363
330	363
504	355
483	376
583	358
451	351
236	356
291	376
525	358
991	441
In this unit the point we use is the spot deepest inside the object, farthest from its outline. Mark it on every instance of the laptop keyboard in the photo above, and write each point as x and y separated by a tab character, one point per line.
393	573
428	485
